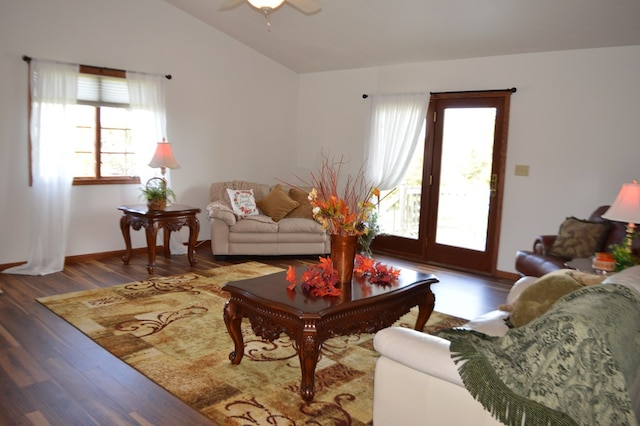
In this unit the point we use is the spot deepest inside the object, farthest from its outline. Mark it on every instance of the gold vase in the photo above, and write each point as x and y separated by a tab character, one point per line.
343	255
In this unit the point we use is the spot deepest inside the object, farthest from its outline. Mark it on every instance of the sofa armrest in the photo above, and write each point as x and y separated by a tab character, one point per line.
220	211
543	243
418	351
518	287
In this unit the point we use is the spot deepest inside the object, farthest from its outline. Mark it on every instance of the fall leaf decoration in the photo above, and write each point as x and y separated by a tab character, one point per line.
318	280
378	272
321	279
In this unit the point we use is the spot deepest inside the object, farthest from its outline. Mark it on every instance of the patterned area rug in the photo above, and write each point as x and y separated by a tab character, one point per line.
171	330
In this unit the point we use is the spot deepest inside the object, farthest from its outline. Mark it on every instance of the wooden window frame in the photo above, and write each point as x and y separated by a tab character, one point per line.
97	179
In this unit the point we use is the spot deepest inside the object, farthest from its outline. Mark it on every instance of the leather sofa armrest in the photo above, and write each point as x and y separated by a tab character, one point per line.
543	243
418	351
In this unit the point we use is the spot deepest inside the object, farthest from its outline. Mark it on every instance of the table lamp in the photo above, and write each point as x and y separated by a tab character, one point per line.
163	157
626	208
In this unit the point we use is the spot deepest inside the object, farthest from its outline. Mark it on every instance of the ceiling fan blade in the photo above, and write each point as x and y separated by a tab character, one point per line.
307	7
230	4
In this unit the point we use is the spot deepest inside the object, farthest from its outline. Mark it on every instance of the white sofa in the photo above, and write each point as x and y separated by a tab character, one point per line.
417	382
297	233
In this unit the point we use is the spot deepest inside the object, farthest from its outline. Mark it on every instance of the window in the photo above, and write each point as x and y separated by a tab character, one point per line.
104	152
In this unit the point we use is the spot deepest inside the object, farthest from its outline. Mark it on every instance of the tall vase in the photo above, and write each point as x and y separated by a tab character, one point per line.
343	255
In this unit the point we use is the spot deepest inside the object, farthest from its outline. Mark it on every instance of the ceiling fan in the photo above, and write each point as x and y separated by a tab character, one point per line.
308	7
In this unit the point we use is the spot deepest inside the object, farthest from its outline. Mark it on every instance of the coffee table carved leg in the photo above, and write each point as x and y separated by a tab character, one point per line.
232	319
126	234
309	352
425	308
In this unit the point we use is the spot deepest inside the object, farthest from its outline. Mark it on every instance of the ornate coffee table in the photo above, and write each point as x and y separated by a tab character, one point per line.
309	321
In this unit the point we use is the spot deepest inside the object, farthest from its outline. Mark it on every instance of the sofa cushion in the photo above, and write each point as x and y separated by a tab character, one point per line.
218	190
277	203
243	202
304	209
536	299
255	224
578	238
298	225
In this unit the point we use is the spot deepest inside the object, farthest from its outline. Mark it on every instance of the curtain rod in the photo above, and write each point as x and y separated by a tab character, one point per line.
512	90
28	59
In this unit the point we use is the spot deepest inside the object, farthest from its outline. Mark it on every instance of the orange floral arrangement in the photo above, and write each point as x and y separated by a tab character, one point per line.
341	208
321	279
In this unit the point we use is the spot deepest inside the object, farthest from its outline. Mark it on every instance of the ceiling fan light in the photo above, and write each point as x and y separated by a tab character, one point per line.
266	4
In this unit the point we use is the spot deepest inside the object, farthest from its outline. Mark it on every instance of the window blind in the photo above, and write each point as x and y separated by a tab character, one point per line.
98	90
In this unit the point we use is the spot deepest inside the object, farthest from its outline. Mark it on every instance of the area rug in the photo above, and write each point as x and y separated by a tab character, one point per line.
172	330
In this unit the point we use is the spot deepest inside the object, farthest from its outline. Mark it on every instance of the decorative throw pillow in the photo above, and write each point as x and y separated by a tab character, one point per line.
578	238
277	203
538	298
304	210
243	202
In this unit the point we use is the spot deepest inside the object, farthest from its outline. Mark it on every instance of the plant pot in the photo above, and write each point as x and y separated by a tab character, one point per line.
157	204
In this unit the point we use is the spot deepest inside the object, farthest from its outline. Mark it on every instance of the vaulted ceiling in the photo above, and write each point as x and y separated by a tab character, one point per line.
348	34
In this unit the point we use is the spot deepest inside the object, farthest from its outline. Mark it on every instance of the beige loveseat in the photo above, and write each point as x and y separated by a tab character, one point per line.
282	224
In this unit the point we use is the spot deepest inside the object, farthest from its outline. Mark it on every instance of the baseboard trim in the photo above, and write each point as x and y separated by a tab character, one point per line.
101	255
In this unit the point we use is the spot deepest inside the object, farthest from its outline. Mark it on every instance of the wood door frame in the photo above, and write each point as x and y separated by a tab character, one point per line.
417	249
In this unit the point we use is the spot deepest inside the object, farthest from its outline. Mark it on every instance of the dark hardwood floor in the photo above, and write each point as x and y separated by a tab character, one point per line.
51	374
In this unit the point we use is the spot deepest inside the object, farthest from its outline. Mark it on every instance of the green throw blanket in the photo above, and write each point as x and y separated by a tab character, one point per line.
571	366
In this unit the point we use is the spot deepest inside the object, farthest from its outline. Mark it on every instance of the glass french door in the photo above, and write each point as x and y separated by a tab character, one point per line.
454	219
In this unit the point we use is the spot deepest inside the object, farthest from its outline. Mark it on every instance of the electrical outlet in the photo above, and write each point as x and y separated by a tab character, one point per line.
522	170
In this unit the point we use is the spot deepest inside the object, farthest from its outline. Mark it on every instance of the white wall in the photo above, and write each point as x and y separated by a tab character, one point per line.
575	120
231	111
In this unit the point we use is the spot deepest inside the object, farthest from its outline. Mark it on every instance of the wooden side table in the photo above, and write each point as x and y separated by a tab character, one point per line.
172	218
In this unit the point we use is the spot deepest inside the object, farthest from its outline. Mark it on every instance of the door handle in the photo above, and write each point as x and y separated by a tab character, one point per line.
494	184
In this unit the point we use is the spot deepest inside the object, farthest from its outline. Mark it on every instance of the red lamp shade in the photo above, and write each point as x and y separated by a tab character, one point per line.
163	157
626	207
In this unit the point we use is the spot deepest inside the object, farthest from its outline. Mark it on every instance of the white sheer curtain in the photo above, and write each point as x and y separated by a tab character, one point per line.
53	90
147	101
395	122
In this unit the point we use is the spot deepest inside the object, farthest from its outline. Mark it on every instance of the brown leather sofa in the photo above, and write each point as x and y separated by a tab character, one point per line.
537	262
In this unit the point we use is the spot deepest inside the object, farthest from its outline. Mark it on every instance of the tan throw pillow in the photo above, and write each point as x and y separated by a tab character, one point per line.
538	298
578	238
304	210
277	203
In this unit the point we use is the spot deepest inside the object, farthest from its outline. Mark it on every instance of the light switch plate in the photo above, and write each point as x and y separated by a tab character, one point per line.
522	170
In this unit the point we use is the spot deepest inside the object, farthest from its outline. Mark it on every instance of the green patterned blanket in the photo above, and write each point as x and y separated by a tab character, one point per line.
573	365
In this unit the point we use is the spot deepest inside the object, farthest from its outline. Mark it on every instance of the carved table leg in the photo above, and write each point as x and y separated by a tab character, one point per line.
308	352
152	233
194	230
232	319
166	235
425	308
126	233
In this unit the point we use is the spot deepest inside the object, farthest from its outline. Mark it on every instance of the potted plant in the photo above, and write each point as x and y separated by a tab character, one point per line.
622	253
156	193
